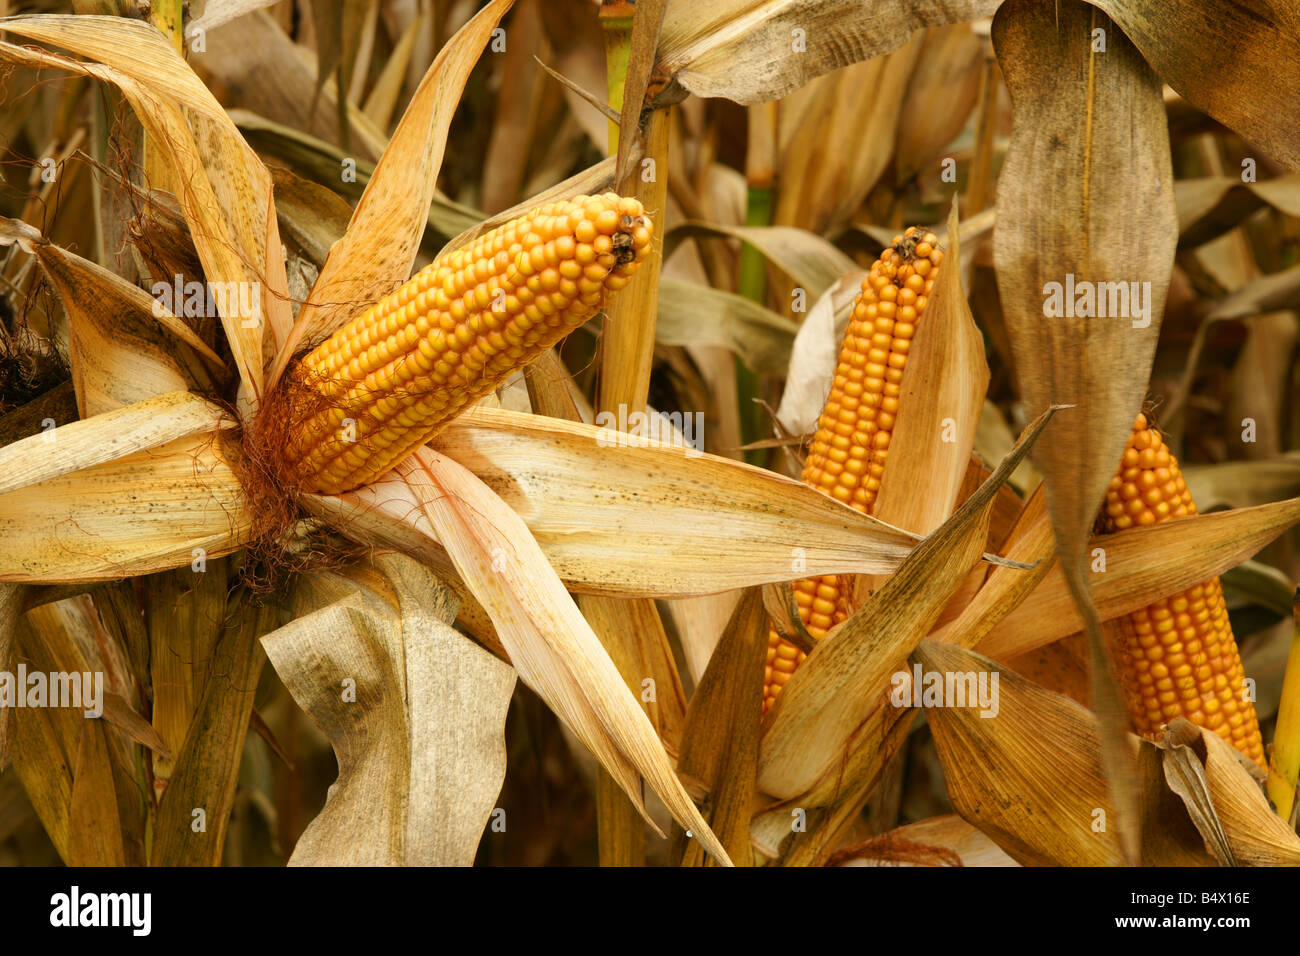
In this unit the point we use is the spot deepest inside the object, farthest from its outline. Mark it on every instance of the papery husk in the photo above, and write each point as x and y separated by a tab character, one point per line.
113	434
550	644
1234	810
942	392
151	510
652	520
1143	565
1030	778
813	355
421	747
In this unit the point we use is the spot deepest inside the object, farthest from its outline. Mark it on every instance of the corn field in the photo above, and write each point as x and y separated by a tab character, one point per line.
655	433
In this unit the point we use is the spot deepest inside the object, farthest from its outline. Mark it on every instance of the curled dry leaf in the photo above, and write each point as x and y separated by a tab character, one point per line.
1237	484
227	196
751	52
1210	207
813	264
813	356
1279	290
421	745
694	314
1241	820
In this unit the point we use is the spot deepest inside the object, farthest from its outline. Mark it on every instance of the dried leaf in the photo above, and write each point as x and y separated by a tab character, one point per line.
652	520
814	264
751	52
550	644
1029	775
147	511
939	406
1063	206
694	314
207	766
419	740
720	743
1143	565
227	200
833	692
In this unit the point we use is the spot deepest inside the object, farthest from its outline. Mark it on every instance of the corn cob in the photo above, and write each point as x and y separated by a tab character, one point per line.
847	456
1177	657
393	377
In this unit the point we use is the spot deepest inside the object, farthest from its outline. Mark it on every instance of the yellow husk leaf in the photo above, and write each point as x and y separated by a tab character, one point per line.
1031	777
1143	565
648	520
550	644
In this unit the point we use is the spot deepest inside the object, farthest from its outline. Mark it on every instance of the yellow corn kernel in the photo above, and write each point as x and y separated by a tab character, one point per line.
1177	657
847	456
393	377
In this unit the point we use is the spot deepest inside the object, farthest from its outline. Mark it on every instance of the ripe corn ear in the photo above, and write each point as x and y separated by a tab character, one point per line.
393	377
1176	657
847	456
